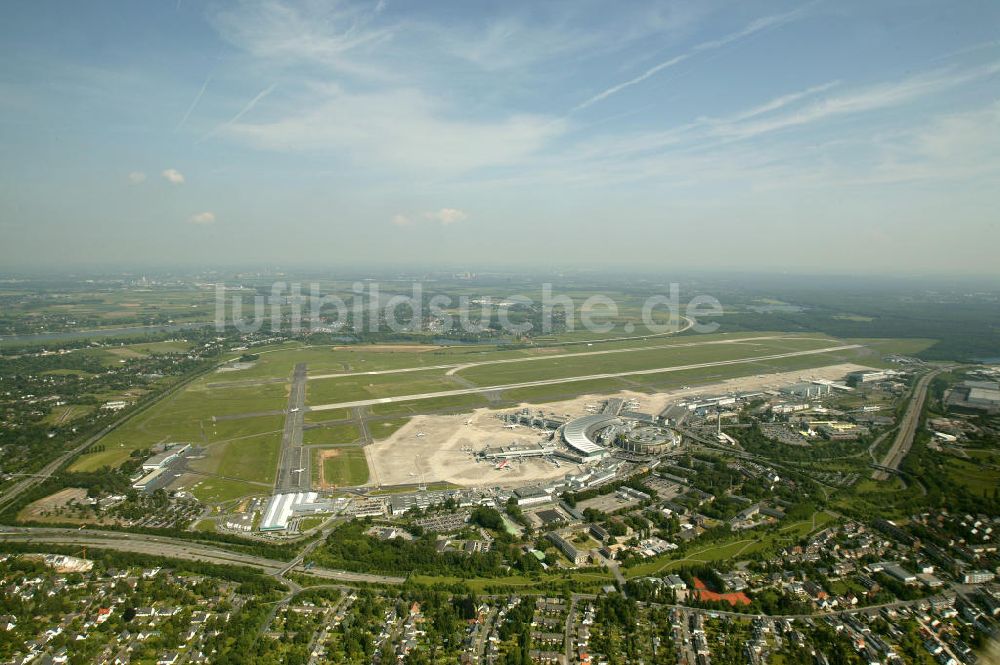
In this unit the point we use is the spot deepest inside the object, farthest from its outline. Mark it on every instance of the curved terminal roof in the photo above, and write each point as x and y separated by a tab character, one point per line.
578	433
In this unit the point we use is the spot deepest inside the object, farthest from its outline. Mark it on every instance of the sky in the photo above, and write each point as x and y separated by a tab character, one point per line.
834	136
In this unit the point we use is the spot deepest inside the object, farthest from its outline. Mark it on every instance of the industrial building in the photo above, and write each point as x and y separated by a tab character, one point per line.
868	376
982	396
282	507
165	458
157	478
529	496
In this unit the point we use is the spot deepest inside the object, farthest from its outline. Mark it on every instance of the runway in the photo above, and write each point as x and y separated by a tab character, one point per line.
574	379
294	474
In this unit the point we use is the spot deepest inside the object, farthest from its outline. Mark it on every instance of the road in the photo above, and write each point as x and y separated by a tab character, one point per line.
179	549
294	474
575	379
907	427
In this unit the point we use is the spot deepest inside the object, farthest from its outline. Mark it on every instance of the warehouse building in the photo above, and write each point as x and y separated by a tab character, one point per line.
281	507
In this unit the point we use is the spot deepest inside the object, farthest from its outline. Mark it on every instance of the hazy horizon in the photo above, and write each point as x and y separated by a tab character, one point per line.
826	138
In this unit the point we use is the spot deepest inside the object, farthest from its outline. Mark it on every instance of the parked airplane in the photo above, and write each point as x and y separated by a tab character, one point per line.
420	434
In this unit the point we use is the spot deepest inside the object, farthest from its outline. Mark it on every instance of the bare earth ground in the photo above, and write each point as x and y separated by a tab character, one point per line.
445	451
323	456
36	511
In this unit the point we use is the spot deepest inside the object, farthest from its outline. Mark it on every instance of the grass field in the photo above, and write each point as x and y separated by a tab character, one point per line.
454	403
975	474
383	429
252	458
342	433
328	391
221	490
314	417
342	467
670	355
581	581
186	416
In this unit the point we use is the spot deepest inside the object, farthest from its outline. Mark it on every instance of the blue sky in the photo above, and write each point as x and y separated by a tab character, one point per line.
826	136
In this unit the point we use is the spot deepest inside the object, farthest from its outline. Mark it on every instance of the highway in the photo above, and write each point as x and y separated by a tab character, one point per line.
574	379
179	549
907	427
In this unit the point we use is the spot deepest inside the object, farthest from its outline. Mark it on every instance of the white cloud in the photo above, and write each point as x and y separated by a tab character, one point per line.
446	216
401	129
202	218
173	176
136	177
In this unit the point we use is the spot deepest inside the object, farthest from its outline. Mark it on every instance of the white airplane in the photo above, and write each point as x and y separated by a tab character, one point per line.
298	470
420	434
294	410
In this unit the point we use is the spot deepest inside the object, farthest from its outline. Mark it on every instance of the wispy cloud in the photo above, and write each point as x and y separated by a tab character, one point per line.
173	176
136	177
318	32
885	95
242	112
194	103
754	27
252	103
